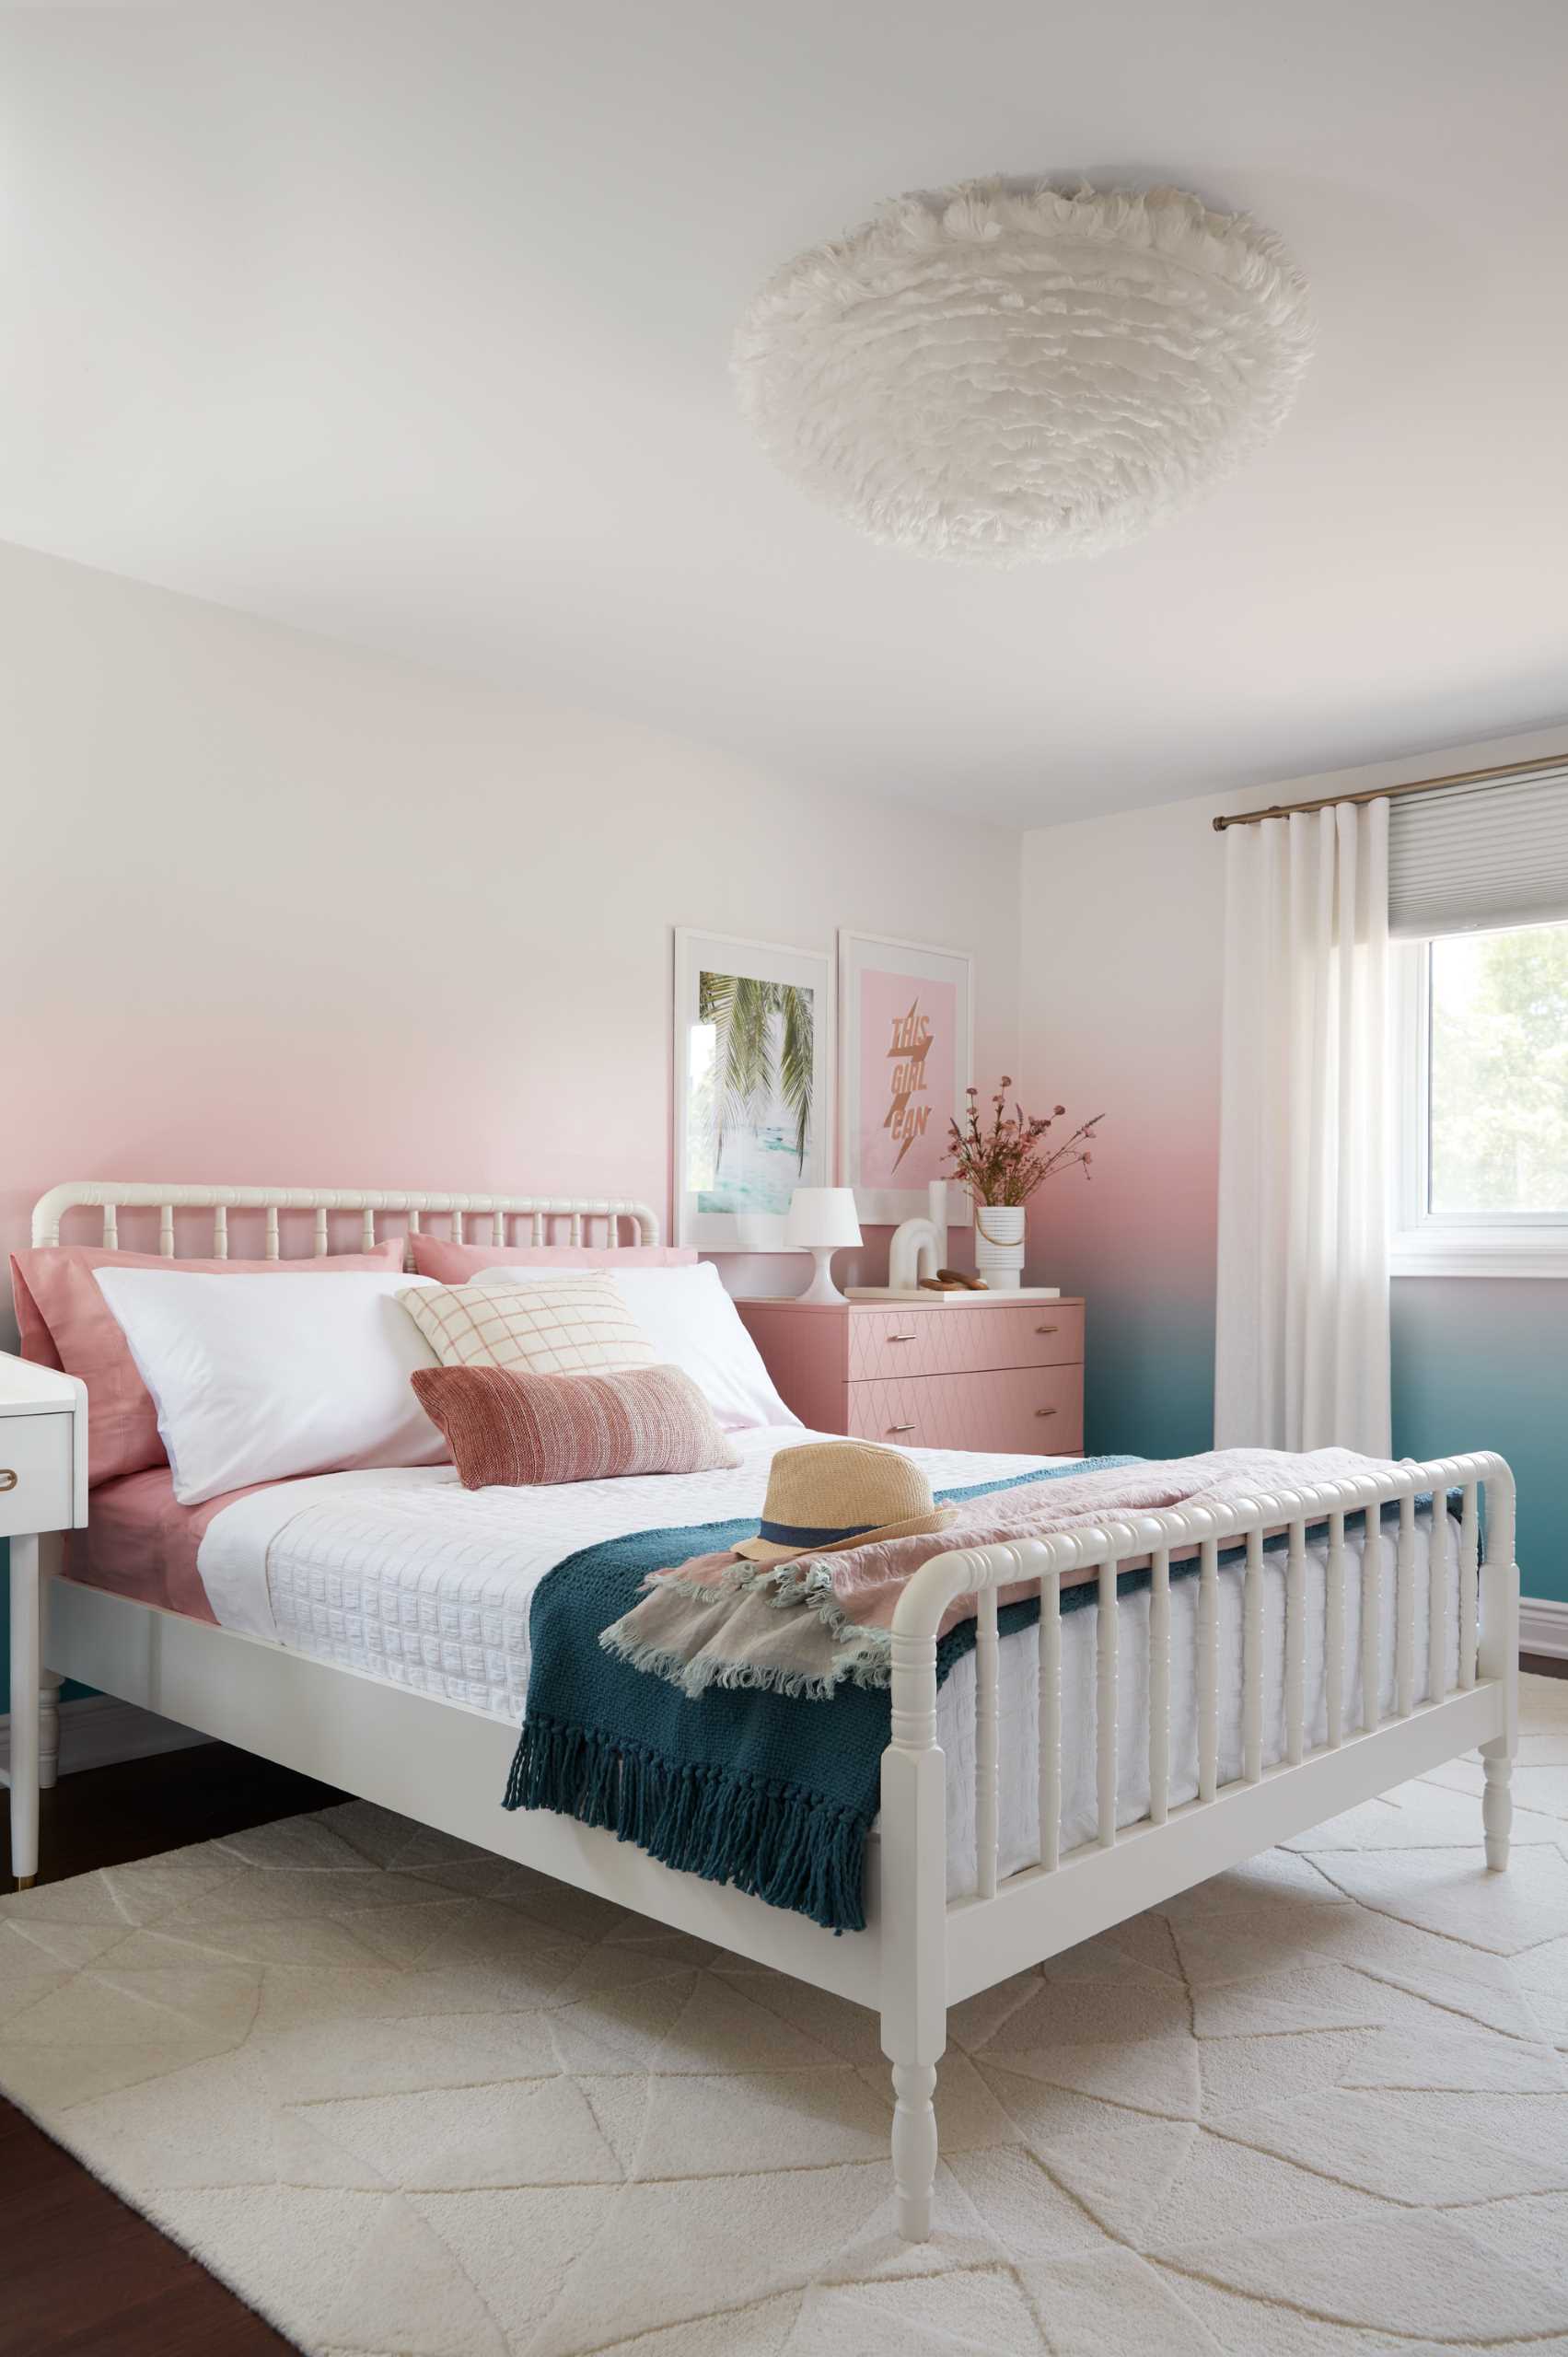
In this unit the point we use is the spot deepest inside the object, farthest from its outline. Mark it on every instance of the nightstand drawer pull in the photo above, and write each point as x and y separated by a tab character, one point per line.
1045	1412
900	1428
901	1337
1045	1329
7	1479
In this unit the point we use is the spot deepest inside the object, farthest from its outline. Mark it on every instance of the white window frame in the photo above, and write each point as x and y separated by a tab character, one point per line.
1455	1244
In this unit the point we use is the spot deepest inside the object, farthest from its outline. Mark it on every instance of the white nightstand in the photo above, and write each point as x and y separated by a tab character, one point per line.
43	1487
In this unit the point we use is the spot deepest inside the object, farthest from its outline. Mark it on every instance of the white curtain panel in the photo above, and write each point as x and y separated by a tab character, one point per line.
1302	1343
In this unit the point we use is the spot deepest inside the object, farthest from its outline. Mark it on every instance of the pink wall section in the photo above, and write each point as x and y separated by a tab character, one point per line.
1120	1014
276	910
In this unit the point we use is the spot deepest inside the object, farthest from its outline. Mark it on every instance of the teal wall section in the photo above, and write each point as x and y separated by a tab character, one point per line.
1477	1363
1148	1374
1483	1363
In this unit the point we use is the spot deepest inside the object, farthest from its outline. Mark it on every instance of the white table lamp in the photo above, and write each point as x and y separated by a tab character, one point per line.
821	1222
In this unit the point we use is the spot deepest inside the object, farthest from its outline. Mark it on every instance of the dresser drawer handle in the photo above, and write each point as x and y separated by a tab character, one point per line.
901	1337
1045	1412
900	1428
1045	1329
7	1479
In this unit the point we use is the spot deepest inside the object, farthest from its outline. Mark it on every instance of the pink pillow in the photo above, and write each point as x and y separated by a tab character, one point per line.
64	1321
513	1431
454	1264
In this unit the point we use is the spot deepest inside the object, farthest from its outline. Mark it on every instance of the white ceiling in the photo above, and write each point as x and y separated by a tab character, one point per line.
409	323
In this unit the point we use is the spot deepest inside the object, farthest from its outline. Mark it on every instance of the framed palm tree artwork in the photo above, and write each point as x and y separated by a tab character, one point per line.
753	1087
906	1017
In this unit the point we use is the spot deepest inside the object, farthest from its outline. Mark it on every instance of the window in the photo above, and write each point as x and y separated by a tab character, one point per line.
1483	1136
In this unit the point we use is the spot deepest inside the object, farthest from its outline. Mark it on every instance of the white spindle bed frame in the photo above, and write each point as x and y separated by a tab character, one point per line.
445	1764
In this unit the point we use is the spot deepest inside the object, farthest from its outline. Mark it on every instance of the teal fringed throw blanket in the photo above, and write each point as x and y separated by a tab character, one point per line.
772	1795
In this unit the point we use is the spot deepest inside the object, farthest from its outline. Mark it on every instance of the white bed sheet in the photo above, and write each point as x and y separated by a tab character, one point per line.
402	1575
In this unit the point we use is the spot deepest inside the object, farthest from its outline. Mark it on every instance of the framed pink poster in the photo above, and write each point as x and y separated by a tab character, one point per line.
906	1030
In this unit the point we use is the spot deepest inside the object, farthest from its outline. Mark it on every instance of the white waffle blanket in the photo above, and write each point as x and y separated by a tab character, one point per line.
404	1575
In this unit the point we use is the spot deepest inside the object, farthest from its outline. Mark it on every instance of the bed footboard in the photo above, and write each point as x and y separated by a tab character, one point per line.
936	1952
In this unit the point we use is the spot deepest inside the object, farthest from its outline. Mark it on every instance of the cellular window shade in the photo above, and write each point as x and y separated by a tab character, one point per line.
1479	857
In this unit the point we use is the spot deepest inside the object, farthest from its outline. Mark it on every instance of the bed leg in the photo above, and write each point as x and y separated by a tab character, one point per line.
24	1710
1497	1800
49	1685
914	2147
1498	1657
1497	1653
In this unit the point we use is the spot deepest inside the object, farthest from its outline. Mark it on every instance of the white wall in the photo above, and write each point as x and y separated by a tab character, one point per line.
1120	997
278	910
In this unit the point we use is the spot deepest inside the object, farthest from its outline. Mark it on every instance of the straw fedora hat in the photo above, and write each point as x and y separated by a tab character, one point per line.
828	1494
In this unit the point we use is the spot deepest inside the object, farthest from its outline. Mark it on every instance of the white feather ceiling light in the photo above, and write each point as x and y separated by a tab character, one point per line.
1001	371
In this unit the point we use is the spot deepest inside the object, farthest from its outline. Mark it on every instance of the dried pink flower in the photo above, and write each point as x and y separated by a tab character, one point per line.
1006	1162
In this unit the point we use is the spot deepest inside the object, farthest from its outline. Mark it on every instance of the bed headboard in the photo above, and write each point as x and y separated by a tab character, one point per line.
544	1214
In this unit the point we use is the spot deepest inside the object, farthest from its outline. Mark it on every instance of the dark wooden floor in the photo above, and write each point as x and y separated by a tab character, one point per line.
82	2275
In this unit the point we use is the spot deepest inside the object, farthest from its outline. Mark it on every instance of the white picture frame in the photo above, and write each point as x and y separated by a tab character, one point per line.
863	1155
742	1209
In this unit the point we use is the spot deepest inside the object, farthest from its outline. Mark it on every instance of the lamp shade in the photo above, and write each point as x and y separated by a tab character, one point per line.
822	1218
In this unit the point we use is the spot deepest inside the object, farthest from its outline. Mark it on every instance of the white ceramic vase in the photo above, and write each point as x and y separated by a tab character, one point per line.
999	1245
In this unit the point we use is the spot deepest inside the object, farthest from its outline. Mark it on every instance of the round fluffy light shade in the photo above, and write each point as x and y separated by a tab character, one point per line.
1001	371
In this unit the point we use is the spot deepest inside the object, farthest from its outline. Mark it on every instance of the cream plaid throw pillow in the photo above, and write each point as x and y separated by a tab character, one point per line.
577	1325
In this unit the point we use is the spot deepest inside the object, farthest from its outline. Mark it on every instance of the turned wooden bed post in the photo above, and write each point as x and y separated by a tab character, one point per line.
1498	1657
915	1922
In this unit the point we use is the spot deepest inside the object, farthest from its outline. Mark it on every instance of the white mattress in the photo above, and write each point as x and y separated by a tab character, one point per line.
405	1575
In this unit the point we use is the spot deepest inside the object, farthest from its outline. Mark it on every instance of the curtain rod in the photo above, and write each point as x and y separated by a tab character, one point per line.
1382	793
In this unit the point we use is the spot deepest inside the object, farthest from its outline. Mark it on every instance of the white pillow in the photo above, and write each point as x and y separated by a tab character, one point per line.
692	1324
255	1381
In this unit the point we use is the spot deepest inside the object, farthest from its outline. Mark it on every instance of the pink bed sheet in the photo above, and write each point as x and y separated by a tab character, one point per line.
142	1543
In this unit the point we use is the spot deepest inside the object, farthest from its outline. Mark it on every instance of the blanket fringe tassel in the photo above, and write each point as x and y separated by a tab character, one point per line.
772	1841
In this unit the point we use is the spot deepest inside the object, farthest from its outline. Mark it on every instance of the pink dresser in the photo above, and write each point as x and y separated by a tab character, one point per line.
1003	1374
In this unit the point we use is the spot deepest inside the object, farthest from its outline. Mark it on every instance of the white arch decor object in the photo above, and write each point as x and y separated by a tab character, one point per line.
110	1196
1008	370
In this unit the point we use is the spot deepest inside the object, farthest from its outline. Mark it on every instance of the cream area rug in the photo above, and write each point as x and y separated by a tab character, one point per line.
408	2098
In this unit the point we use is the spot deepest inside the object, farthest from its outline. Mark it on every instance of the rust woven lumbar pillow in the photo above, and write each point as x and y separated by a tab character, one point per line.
512	1430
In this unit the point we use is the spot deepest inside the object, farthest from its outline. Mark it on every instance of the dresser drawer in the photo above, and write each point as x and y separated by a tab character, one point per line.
905	1339
35	1473
1035	1411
